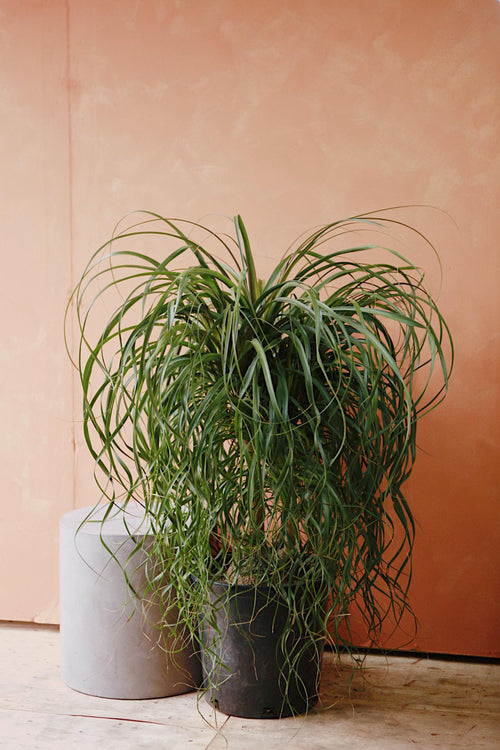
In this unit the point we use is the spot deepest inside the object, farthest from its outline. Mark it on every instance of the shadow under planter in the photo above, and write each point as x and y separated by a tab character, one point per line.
248	671
111	643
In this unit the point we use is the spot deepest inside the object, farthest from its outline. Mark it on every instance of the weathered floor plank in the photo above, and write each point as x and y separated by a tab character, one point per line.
395	702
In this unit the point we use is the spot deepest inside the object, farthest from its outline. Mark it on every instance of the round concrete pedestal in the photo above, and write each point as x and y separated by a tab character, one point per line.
110	643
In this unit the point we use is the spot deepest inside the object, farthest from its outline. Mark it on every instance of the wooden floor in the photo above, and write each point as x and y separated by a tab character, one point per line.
397	702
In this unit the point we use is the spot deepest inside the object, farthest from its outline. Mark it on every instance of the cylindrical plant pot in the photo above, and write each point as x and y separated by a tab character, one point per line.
248	669
112	643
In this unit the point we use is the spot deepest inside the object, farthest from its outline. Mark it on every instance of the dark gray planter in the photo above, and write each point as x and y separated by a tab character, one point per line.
256	680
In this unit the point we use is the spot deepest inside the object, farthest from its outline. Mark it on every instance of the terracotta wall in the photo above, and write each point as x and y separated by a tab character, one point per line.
292	114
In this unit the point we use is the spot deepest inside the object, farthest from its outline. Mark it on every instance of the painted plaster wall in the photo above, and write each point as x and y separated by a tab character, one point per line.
292	114
36	437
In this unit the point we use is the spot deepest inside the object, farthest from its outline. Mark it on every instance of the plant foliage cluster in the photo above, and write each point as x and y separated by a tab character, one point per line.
268	427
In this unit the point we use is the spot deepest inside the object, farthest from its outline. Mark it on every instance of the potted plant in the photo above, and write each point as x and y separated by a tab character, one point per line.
268	428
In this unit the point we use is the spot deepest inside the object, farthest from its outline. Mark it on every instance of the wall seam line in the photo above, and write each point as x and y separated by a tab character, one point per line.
69	112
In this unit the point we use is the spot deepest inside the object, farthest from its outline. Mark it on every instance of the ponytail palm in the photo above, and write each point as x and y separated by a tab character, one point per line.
268	427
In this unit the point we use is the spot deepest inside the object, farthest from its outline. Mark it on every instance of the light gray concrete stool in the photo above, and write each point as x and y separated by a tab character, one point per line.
110	642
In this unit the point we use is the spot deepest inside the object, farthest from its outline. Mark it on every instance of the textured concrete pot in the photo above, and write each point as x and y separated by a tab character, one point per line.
111	645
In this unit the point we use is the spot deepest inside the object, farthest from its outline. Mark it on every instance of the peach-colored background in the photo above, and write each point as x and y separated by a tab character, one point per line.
291	113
